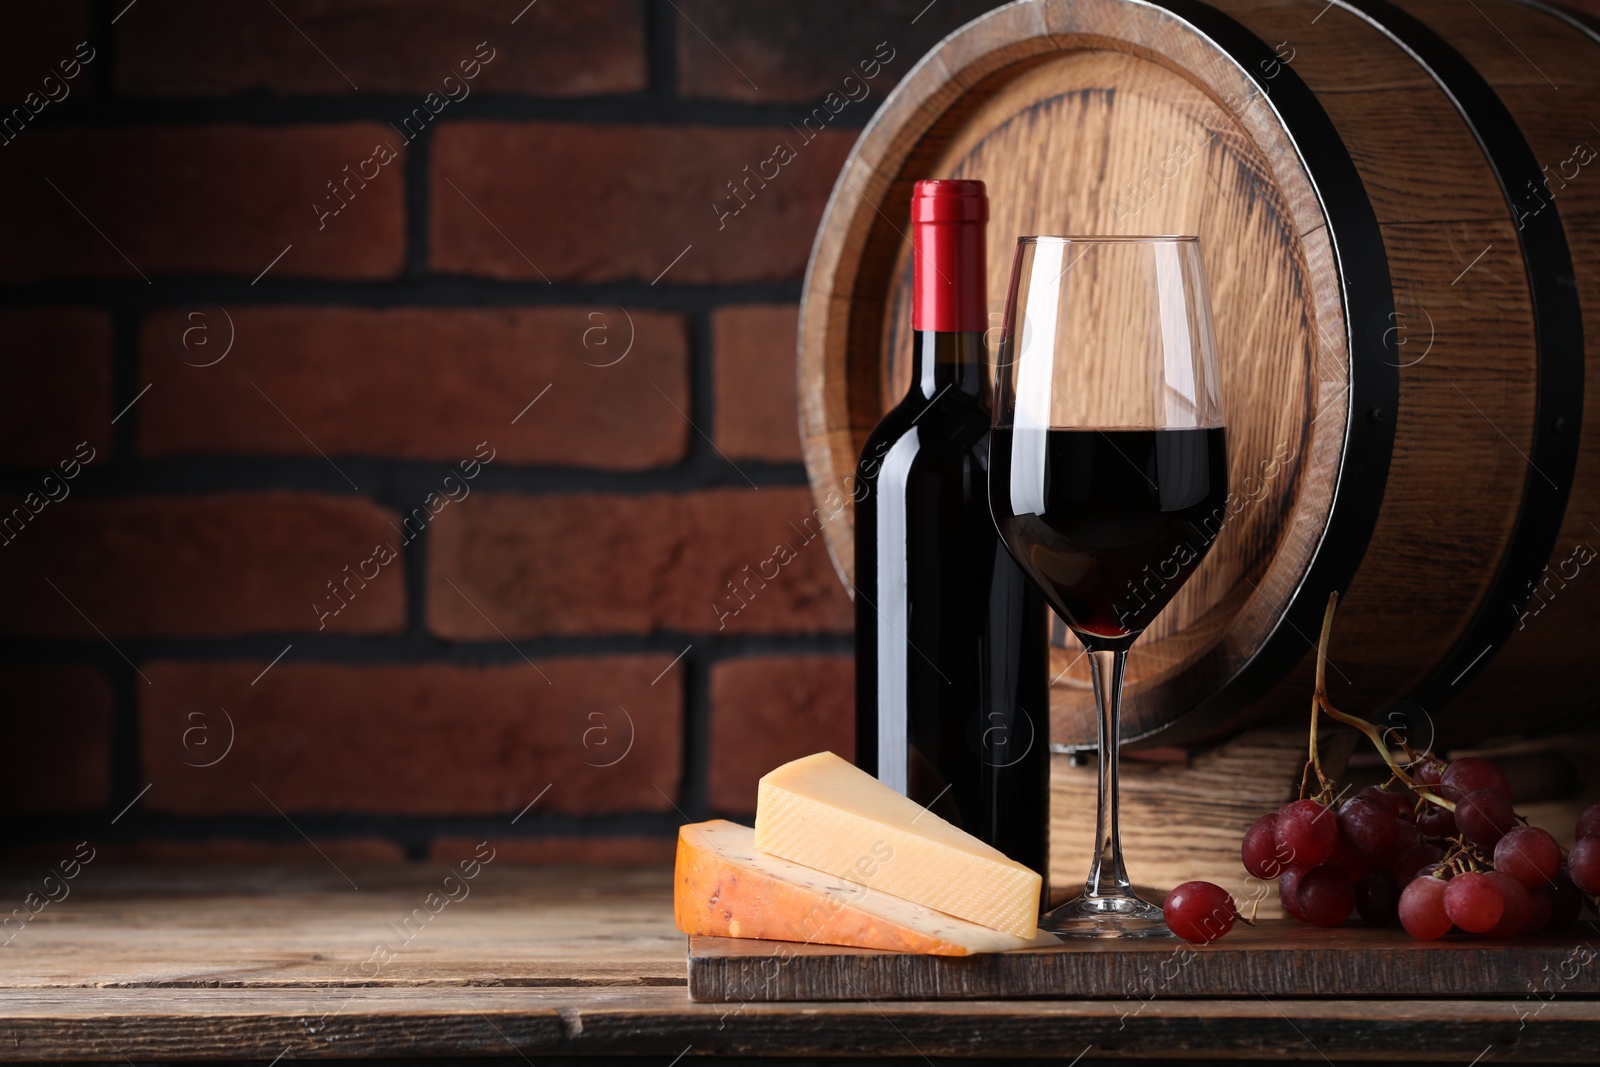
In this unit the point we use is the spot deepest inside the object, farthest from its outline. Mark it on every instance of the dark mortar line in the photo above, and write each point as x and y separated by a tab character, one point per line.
431	290
408	481
412	649
260	109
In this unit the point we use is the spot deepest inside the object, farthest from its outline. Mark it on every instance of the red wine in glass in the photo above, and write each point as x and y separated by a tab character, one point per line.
1127	517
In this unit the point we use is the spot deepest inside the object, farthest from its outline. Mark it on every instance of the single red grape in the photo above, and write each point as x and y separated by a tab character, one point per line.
1422	909
1588	823
1470	773
1396	803
1199	912
1413	860
1305	833
1473	902
1485	816
1583	864
1288	888
1528	854
1260	851
1326	896
1566	901
1436	821
1542	903
1370	828
1428	770
1517	907
1378	898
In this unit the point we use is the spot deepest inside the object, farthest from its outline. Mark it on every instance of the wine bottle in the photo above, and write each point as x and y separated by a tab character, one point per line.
952	689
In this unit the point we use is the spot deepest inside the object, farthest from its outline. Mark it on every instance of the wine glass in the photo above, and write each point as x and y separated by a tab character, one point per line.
1108	474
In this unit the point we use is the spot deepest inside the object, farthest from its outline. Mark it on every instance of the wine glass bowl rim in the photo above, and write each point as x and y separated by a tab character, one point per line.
1091	238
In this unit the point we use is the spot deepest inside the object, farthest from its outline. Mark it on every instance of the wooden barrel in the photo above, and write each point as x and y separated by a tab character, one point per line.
1399	208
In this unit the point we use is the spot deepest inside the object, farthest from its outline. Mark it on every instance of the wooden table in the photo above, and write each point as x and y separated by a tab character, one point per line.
164	963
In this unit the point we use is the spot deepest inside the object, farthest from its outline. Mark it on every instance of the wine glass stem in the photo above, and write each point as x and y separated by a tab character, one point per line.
1107	876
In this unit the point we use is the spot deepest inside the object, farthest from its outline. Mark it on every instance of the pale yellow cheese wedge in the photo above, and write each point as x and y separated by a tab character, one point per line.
724	886
825	813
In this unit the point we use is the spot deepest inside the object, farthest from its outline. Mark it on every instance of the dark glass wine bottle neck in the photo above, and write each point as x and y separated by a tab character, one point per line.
948	361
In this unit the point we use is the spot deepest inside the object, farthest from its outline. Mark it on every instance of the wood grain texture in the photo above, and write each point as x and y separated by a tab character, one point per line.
1431	558
1183	821
159	1025
305	926
168	964
1563	627
1275	958
1514	46
1066	108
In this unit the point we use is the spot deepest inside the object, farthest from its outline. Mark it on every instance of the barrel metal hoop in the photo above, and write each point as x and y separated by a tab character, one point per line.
1373	396
1584	23
1558	331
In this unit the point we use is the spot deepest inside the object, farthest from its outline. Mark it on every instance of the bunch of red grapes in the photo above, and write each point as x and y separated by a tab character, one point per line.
1391	854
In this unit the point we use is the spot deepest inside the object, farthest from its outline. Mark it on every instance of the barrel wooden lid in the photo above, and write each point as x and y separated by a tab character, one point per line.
1094	116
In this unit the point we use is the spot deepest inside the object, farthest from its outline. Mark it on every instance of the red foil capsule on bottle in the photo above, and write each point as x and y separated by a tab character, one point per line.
948	260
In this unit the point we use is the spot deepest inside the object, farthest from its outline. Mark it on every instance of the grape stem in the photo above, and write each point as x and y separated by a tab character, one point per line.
1318	697
1320	702
1462	857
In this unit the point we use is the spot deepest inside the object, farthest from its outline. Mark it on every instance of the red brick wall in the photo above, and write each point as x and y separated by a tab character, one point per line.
247	346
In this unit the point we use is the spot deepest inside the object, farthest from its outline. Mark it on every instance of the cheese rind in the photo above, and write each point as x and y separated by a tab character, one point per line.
724	886
823	812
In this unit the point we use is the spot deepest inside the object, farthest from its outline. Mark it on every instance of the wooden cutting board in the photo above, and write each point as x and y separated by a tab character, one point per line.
1276	958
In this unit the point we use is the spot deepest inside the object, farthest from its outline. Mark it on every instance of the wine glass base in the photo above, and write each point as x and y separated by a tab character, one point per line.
1106	917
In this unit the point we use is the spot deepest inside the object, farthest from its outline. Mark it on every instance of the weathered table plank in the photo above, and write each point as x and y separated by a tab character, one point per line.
1276	958
307	926
261	1024
164	964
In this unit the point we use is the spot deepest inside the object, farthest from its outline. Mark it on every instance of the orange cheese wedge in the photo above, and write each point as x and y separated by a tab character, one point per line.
725	887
